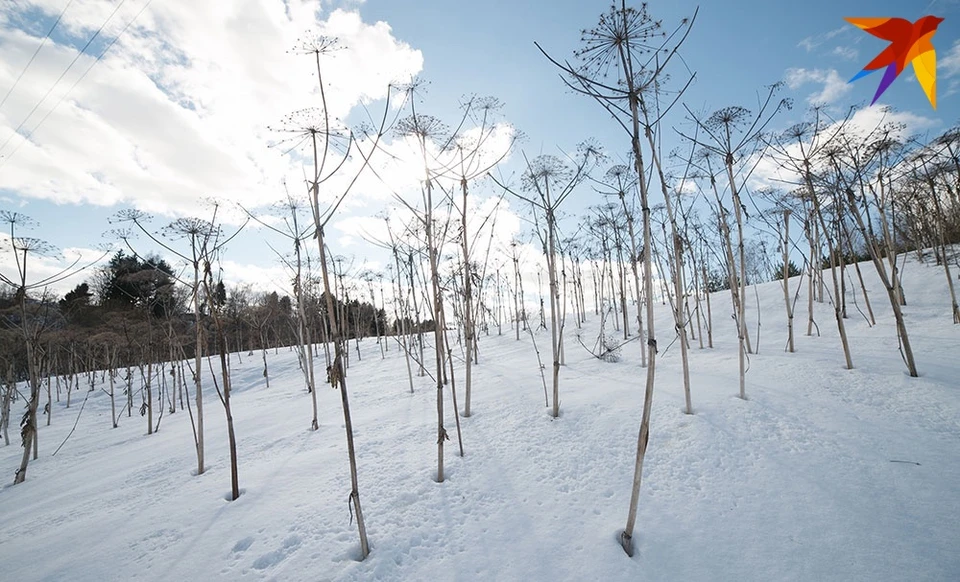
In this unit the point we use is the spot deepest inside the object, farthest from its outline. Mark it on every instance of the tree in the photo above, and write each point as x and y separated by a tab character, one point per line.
548	181
729	134
216	297
430	133
861	168
129	281
205	240
76	306
472	159
791	270
78	297
32	325
326	137
298	231
624	44
800	149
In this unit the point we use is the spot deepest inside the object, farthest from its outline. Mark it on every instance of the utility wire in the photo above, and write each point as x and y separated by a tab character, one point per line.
30	62
4	160
60	78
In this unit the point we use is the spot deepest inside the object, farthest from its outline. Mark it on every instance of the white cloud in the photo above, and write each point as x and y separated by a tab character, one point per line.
808	44
836	32
847	53
811	43
953	87
769	171
357	229
949	63
833	86
869	118
179	108
260	278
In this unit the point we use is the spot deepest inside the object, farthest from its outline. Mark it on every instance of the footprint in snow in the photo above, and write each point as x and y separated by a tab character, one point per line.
243	544
276	556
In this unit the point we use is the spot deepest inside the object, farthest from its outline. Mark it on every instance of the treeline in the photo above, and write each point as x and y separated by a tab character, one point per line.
135	312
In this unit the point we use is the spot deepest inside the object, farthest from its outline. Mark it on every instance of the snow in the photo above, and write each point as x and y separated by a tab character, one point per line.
822	473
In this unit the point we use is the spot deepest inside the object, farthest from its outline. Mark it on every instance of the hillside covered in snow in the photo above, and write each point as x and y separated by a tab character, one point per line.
822	473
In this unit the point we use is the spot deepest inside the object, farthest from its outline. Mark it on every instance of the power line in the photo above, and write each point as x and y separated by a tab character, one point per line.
57	82
30	62
26	138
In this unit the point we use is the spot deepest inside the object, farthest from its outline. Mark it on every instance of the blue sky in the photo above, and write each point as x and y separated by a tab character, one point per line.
735	49
187	60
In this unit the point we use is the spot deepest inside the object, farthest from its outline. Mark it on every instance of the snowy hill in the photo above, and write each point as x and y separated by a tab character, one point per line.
822	474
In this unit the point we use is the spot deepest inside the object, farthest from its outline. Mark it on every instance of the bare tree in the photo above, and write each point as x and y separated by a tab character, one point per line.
32	324
475	153
331	146
861	171
732	135
204	239
800	149
298	233
928	171
624	46
549	181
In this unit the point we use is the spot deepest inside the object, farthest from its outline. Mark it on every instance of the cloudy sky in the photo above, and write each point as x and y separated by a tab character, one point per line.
161	104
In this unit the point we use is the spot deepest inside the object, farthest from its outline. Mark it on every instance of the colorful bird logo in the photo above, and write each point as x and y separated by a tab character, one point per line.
909	43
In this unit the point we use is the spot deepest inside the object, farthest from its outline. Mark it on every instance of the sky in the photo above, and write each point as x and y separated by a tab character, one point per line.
172	101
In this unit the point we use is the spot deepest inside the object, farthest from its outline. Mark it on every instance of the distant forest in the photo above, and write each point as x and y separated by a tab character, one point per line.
134	311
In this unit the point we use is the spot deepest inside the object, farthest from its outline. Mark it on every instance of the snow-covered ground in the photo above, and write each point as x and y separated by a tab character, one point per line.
822	474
